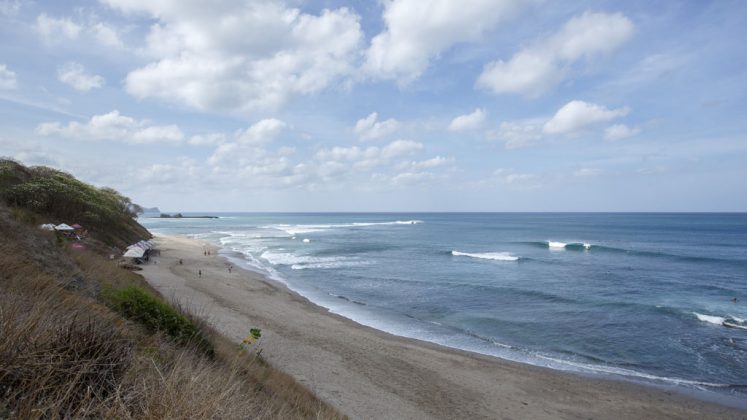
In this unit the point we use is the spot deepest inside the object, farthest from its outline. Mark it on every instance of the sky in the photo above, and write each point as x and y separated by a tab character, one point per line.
395	105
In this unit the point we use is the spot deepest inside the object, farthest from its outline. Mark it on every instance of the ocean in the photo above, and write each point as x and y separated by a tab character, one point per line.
637	296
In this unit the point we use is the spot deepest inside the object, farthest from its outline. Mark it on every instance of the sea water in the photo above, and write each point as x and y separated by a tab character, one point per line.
639	296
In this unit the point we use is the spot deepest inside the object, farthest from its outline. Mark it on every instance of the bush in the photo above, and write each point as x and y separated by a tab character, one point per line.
136	304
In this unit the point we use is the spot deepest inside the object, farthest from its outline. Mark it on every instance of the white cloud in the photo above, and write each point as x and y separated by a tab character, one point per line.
74	75
416	32
52	28
7	78
412	178
571	119
578	115
400	148
369	128
245	146
468	121
536	69
517	179
620	131
434	162
261	132
210	139
243	55
113	126
365	159
517	134
106	35
10	8
55	29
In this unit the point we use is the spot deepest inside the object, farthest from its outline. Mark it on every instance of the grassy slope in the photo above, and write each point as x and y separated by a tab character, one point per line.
66	351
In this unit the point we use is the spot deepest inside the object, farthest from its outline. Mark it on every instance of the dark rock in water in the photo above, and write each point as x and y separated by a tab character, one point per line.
181	216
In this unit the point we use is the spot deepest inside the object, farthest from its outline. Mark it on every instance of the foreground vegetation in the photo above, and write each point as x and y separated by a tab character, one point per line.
81	337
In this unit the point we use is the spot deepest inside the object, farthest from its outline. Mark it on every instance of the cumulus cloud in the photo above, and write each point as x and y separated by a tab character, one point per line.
366	158
433	162
517	134
55	29
242	55
74	75
7	78
244	146
620	131
369	128
113	126
106	35
416	32
209	139
52	28
261	132
571	119
468	121
536	69
578	115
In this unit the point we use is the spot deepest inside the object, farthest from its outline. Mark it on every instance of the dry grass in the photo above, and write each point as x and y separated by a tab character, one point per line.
64	353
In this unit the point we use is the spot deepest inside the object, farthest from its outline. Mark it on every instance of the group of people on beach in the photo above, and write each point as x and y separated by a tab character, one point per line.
206	252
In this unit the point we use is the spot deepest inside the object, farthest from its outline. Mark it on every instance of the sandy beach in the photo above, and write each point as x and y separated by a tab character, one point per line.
367	373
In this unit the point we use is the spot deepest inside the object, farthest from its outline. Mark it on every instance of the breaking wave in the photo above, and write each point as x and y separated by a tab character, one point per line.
300	229
496	256
305	262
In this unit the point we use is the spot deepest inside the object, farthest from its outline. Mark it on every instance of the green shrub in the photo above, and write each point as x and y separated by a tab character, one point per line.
136	304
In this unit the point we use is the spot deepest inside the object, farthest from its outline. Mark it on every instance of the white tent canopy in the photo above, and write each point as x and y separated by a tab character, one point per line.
135	252
47	226
141	244
63	226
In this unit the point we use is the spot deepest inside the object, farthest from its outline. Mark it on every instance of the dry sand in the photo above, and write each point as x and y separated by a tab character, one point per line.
370	374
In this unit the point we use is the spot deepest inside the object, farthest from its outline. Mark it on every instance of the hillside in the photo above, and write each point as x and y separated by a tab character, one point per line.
52	196
81	337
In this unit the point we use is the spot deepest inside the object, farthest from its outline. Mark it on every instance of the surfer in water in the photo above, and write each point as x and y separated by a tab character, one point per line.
733	300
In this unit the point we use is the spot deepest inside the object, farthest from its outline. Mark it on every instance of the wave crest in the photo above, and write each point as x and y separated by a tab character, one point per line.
496	256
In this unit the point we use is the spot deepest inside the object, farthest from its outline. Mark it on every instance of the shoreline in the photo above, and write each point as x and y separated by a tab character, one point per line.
368	373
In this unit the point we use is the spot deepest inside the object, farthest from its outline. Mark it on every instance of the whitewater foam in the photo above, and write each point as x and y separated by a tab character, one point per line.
305	262
294	230
587	367
496	256
568	245
710	318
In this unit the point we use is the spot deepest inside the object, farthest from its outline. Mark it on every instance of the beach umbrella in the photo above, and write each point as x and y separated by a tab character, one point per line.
77	226
63	226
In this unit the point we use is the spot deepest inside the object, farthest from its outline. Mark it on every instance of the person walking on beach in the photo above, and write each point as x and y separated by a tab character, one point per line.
229	268
199	273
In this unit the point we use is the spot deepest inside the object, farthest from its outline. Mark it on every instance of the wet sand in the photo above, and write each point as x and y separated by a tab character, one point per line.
368	374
